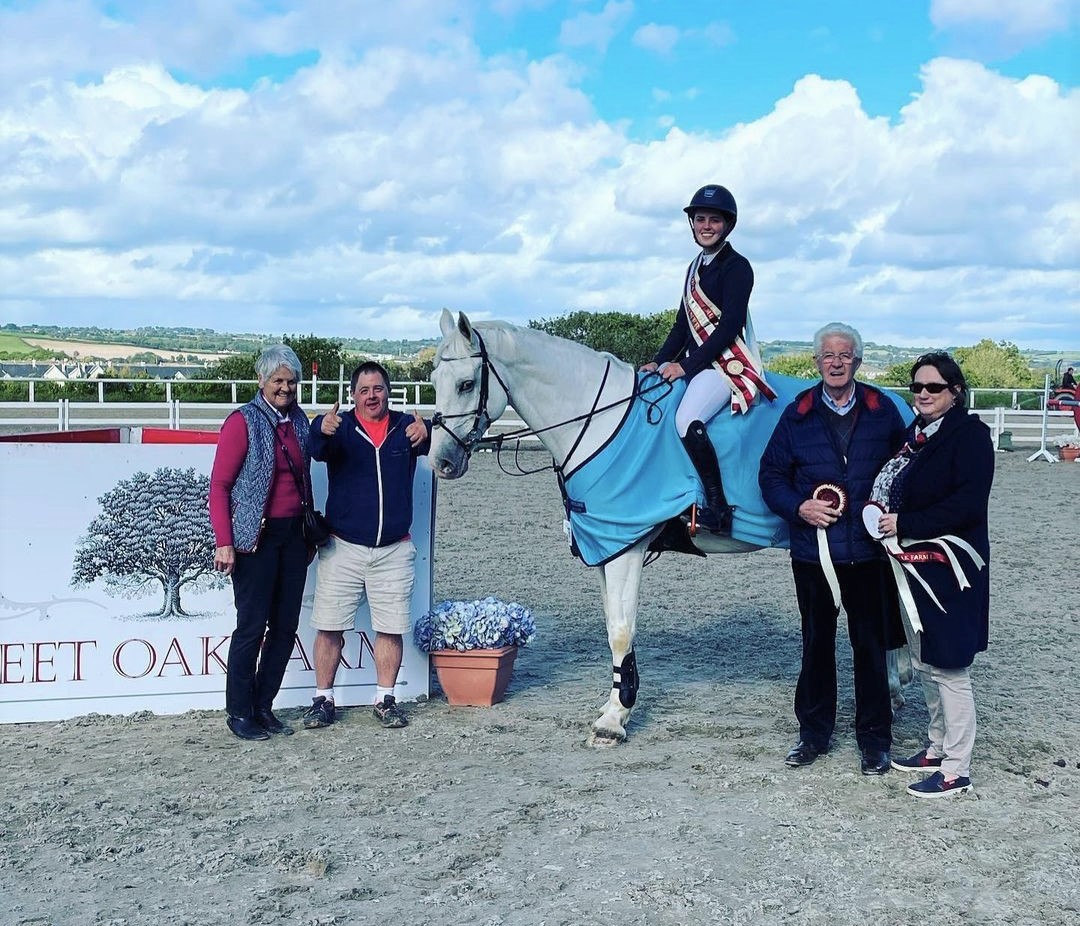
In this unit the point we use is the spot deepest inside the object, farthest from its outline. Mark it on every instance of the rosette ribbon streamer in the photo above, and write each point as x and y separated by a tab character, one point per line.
903	561
836	498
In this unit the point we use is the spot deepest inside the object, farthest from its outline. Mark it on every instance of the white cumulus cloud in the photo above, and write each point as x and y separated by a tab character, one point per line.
379	183
1024	20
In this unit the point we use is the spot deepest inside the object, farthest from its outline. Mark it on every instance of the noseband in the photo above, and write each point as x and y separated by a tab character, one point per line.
481	418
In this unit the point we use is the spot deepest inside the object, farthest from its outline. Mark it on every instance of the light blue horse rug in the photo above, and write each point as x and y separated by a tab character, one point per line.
643	477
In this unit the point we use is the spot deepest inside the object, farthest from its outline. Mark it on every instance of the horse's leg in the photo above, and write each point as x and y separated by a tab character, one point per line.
898	663
620	585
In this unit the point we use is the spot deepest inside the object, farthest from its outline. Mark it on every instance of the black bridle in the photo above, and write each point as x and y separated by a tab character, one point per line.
482	420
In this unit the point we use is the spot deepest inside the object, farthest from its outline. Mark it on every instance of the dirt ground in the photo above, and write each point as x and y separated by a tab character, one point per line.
503	816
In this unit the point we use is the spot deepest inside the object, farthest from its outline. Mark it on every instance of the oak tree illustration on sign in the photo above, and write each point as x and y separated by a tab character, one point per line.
153	529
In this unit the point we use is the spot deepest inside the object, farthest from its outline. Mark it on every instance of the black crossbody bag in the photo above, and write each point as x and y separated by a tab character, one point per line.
314	527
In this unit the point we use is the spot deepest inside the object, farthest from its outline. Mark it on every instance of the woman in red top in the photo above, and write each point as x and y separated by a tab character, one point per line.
258	487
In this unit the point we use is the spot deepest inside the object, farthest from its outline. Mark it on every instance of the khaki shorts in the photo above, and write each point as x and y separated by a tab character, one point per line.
349	571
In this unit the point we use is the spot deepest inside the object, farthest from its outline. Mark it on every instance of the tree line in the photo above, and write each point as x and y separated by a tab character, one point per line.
633	338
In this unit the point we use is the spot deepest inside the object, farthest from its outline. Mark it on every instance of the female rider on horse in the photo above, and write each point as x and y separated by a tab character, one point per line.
712	342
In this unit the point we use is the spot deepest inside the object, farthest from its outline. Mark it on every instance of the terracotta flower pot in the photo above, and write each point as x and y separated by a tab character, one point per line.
475	677
1068	454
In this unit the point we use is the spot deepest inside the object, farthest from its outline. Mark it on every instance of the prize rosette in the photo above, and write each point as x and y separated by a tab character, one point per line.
833	495
836	498
871	514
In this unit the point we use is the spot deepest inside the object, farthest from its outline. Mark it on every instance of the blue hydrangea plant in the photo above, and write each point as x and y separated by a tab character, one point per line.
486	623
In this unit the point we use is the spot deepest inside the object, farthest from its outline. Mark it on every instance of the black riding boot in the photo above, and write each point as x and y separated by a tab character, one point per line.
700	450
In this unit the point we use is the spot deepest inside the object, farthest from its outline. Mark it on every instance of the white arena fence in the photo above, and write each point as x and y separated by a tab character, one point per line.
1012	426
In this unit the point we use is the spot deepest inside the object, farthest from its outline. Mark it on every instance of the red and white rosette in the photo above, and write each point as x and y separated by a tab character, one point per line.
902	561
836	498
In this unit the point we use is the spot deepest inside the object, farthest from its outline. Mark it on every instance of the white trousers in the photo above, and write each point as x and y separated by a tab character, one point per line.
951	703
705	395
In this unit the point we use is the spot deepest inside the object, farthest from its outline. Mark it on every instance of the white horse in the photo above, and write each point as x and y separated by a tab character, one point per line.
574	399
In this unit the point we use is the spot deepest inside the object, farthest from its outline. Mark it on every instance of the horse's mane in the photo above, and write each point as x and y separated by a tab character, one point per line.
502	330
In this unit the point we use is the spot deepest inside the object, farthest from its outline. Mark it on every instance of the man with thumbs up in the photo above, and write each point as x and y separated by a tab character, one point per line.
370	454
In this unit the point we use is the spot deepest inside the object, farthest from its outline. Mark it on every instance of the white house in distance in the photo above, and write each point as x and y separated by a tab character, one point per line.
67	370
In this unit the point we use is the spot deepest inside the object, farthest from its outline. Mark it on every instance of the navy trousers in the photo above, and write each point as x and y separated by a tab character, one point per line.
864	595
268	588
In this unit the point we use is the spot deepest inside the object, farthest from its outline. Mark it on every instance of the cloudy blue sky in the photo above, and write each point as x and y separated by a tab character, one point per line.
350	167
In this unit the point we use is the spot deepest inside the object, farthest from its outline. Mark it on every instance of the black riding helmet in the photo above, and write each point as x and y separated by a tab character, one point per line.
716	198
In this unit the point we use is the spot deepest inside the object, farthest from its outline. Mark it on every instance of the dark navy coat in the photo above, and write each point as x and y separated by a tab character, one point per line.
945	489
369	500
803	453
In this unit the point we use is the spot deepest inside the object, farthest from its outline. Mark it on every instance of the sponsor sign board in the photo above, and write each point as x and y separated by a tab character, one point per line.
105	602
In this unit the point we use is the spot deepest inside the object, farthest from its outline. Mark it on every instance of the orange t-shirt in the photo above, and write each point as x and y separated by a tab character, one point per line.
376	430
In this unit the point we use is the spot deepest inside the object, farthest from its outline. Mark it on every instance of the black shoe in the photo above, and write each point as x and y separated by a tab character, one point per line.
320	714
803	753
246	728
919	762
716	522
875	761
937	786
389	714
270	723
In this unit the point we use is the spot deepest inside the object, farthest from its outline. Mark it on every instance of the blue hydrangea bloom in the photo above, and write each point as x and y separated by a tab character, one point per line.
486	623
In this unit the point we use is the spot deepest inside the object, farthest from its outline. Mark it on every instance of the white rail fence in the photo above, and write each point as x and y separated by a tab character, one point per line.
1009	426
241	389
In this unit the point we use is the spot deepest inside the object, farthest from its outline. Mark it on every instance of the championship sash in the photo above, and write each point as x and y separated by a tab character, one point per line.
740	363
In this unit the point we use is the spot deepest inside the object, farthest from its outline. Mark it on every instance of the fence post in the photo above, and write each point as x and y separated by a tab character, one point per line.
1042	452
233	384
101	391
31	390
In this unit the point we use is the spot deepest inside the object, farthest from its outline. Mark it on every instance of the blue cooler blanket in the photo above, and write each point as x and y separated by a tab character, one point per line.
642	476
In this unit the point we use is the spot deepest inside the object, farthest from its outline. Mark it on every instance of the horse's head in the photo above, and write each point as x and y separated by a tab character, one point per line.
469	395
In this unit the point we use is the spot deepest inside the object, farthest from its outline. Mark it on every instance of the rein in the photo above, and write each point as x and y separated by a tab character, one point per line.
482	420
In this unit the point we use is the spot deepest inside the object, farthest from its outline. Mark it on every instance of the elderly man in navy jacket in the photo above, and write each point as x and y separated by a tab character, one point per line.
816	473
370	454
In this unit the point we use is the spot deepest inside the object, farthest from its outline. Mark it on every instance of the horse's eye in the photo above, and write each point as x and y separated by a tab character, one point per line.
465	386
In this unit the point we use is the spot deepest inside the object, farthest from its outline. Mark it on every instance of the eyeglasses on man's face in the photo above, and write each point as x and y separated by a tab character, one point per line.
829	357
932	388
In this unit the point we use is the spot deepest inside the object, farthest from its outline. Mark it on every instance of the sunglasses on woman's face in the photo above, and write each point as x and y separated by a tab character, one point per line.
932	388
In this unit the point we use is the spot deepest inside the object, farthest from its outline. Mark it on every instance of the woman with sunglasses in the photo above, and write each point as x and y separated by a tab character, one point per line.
932	500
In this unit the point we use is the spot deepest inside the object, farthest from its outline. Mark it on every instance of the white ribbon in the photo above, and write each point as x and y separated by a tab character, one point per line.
894	548
827	565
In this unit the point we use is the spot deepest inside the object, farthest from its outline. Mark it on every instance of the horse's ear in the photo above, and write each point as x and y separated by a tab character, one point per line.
446	323
464	326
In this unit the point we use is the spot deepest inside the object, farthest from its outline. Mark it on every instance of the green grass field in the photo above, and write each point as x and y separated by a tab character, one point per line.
12	347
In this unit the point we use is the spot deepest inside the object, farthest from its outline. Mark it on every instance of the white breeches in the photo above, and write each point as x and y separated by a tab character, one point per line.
705	395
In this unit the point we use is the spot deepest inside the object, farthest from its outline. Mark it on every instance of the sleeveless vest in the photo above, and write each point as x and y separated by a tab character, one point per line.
251	492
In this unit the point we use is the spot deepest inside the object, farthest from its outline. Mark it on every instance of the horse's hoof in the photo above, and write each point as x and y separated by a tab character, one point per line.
605	739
